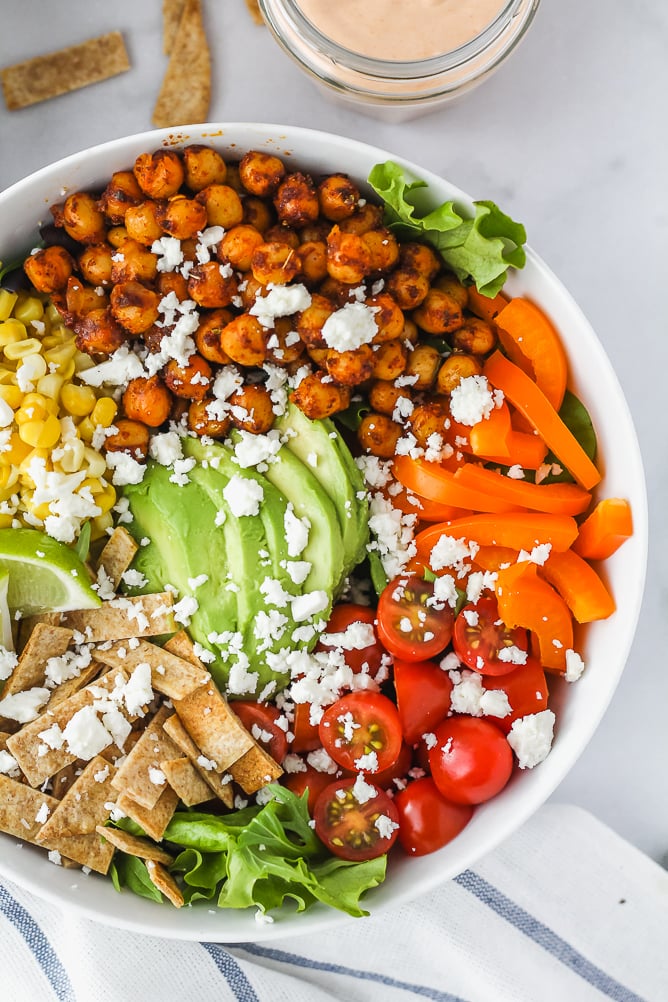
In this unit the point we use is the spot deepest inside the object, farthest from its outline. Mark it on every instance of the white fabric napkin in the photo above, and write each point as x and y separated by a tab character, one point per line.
564	911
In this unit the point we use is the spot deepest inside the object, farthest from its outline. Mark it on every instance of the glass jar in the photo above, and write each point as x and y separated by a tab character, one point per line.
397	89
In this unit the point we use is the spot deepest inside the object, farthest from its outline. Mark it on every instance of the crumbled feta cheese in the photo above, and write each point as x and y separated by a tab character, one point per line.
472	400
126	470
8	662
530	738
280	301
386	827
8	765
166	448
24	706
85	734
244	496
363	791
574	665
138	691
350	327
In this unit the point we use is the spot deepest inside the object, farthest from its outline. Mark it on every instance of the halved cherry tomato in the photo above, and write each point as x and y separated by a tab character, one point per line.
311	780
351	829
358	726
385	780
412	625
480	636
427	821
526	688
471	760
342	633
306	736
423	696
260	720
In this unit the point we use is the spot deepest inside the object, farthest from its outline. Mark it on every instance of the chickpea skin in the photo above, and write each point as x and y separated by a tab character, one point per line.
296	200
121	193
245	340
317	396
447	282
311	321
147	400
207	335
182	217
258	213
131	437
49	269
421	258
390	360
348	257
203	166
98	333
133	262
82	219
408	286
364	218
383	396
134	306
95	264
313	259
284	345
350	368
274	262
389	318
475	336
423	362
238	244
143	224
379	434
427	420
190	381
438	313
383	249
261	173
159	174
252	409
223	205
82	298
210	287
172	281
338	197
456	367
201	421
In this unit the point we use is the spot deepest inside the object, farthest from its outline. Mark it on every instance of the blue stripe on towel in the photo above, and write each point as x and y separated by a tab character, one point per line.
39	945
545	937
229	968
316	965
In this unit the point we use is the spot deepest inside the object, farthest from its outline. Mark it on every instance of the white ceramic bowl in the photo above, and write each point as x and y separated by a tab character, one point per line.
604	645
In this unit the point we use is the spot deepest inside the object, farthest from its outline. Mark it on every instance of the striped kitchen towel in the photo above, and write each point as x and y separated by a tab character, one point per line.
563	911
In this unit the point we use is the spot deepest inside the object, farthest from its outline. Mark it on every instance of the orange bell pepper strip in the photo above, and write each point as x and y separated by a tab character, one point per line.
579	585
431	481
528	337
524	449
491	558
484	307
490	436
411	503
603	532
517	530
556	499
530	401
529	601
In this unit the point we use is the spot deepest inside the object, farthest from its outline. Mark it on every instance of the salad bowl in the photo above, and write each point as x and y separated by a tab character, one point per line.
604	645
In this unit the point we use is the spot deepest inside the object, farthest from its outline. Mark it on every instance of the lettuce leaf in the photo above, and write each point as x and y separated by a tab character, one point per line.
479	250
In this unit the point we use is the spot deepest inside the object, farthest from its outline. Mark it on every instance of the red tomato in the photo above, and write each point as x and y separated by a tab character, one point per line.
478	641
385	780
353	830
411	625
342	621
311	780
427	821
260	720
471	760
359	724
306	734
423	696
526	688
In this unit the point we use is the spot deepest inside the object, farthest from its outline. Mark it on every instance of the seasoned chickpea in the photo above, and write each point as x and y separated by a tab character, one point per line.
383	396
316	231
121	193
311	321
389	319
281	234
475	336
190	381
389	361
238	244
116	236
245	340
202	420
421	258
313	259
427	420
249	290
338	197
410	333
203	166
274	262
152	338
209	287
340	293
447	282
284	345
258	213
49	269
252	409
379	434
143	224
98	333
348	257
365	217
261	173
296	200
81	298
95	264
82	219
147	400
438	313
131	437
408	286
207	335
182	217
317	396
223	205
455	368
383	248
233	179
350	368
134	306
423	362
159	174
319	356
133	262
172	281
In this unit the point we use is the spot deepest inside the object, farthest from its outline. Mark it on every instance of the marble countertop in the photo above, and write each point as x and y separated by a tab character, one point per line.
569	137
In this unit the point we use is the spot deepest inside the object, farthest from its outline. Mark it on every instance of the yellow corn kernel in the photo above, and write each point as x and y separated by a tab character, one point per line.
99	525
58	336
41	434
86	429
29	308
8	376
94	485
16	453
50	385
77	400
19	349
31	368
106	499
7	300
34	407
6	521
83	362
11	394
11	332
72	458
104	412
58	353
96	463
9	476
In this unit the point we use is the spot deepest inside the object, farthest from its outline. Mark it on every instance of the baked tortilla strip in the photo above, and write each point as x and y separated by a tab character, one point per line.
19	807
82	808
220	786
172	12
88	850
171	675
27	625
185	93
117	555
134	845
165	883
74	684
255	769
134	775
185	780
153	820
45	641
124	618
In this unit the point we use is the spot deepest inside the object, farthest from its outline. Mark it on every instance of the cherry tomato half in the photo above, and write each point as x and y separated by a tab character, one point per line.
411	624
423	696
480	636
306	737
385	780
361	724
427	821
261	721
349	625
526	688
311	780
471	760
351	829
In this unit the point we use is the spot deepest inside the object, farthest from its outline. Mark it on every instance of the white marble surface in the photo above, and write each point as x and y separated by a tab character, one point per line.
569	137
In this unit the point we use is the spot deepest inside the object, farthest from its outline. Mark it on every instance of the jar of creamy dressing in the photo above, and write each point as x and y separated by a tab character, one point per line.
397	59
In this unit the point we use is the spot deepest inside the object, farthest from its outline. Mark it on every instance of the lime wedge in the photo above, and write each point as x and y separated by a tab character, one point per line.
44	575
6	638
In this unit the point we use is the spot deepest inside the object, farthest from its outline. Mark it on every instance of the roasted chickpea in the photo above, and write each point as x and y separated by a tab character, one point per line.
49	269
131	437
134	306
274	262
223	205
238	244
475	336
389	361
182	217
116	236
348	257
284	345
383	396
313	259
159	174
438	313
410	334
82	219
340	293
447	282
258	213
455	368
427	420
420	257
281	234
147	400
379	434
338	197
249	290
316	231
95	264
82	298
167	282
121	193
133	262
98	333
209	287
261	173
310	321
143	223
423	362
317	396
203	166
152	338
190	381
296	200
202	419
408	286
365	217
389	319
383	249
207	335
252	409
350	368
233	179
245	340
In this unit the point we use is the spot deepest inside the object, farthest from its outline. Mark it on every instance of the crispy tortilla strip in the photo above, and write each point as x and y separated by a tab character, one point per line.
19	807
134	777
72	685
117	555
83	806
171	675
44	642
165	883
255	769
68	69
221	786
26	745
124	618
153	820
65	778
172	12
185	93
185	780
88	850
27	625
254	11
4	735
134	845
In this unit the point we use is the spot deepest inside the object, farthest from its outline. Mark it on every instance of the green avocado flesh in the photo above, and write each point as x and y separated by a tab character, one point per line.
242	618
